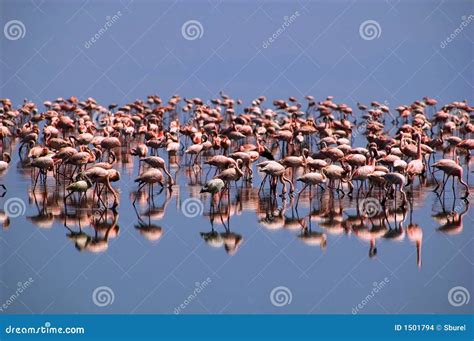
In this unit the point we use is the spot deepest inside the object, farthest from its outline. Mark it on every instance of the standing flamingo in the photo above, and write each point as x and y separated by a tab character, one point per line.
311	179
454	170
416	167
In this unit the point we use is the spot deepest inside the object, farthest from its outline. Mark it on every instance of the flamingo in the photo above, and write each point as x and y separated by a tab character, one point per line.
362	173
220	162
100	175
416	167
295	162
454	170
149	177
321	141
196	149
276	171
44	164
311	179
335	172
395	180
158	162
109	143
231	174
213	186
5	162
80	186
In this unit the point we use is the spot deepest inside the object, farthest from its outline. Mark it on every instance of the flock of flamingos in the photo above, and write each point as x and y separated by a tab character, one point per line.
383	159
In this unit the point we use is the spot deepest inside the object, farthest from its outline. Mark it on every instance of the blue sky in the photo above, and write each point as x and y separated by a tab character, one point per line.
320	53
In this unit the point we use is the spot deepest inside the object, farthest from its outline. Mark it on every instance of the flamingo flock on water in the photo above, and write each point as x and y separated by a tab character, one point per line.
296	148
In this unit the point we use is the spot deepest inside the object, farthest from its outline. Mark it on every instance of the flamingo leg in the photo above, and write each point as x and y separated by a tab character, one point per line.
36	180
299	194
262	183
444	184
404	196
138	190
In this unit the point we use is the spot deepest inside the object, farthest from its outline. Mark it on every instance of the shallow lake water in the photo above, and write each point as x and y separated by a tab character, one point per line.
170	253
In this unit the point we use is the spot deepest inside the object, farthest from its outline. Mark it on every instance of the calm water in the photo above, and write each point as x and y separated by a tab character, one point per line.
322	54
152	257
